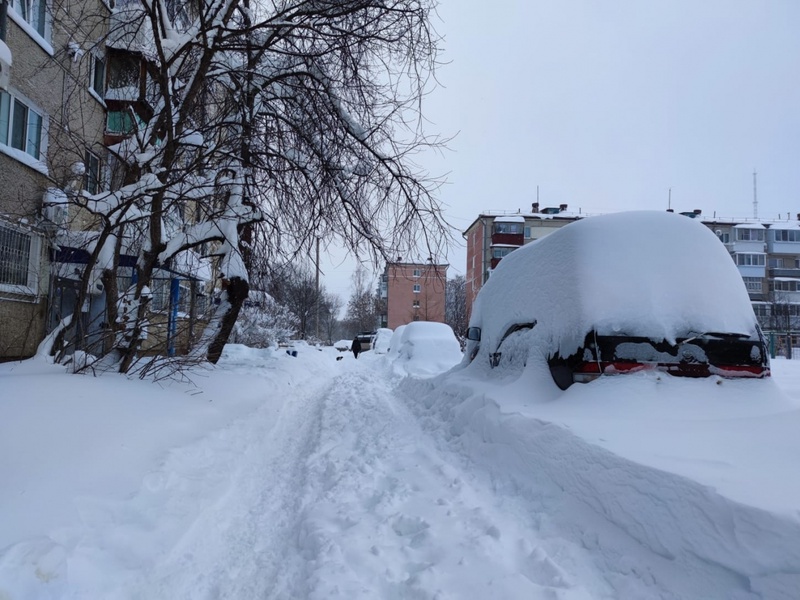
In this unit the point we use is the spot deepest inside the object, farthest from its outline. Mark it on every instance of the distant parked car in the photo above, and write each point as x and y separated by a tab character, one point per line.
616	294
367	338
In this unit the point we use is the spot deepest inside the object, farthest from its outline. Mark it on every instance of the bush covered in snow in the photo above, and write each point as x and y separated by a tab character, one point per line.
263	322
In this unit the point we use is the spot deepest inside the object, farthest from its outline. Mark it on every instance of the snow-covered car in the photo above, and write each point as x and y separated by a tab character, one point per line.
426	348
620	293
383	338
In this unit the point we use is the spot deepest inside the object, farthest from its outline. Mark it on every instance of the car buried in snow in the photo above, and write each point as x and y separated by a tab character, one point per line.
620	293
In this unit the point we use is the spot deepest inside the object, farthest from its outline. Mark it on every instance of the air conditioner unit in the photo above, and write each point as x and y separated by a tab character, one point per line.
57	214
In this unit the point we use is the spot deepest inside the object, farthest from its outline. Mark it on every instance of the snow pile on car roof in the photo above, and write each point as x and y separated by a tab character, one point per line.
646	273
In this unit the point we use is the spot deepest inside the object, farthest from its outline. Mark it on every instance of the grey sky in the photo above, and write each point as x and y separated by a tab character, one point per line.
607	104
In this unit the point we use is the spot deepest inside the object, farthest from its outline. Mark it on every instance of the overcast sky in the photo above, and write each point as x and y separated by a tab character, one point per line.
607	104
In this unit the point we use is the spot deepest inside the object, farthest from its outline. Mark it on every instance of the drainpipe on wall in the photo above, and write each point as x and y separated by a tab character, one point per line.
5	51
3	18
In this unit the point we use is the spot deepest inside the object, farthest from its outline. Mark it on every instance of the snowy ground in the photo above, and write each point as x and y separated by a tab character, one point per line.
290	478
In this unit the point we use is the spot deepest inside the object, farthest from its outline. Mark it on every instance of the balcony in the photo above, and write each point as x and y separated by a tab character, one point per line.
782	272
508	239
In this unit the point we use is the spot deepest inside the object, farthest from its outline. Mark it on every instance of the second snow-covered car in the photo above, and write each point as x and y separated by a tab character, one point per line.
620	293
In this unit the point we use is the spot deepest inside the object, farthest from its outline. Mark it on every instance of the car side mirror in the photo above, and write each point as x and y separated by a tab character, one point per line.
474	334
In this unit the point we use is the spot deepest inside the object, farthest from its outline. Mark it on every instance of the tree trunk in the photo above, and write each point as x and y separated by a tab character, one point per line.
237	290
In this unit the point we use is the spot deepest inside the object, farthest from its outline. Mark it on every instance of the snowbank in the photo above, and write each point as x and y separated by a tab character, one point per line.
699	472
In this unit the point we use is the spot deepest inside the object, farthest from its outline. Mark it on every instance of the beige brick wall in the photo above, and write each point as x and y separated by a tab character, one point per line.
56	85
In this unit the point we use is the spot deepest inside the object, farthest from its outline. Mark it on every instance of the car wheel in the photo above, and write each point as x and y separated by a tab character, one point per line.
562	375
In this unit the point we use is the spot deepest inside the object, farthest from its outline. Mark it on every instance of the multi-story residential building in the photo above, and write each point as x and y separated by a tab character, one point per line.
413	292
492	236
50	120
69	91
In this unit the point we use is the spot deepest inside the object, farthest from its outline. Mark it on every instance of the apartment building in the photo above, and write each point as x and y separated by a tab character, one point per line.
50	120
68	91
492	235
413	291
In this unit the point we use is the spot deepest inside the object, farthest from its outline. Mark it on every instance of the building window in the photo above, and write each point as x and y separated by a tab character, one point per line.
20	125
34	12
415	304
417	272
98	82
724	237
761	310
783	286
19	252
753	284
501	252
750	235
787	235
527	231
508	228
417	288
416	317
91	177
751	260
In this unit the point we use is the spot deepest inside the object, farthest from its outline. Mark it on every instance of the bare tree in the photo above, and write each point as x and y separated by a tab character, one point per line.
363	308
784	318
260	128
456	305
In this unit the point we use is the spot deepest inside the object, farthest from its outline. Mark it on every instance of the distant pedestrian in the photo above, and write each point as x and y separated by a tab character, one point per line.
355	346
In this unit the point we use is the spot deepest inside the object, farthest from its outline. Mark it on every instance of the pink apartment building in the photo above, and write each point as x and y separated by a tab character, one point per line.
413	292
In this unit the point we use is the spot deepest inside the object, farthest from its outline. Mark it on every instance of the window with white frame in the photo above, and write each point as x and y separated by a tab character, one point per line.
787	235
19	255
527	231
92	177
761	310
783	286
34	12
724	237
751	260
417	272
750	235
417	288
501	252
20	125
515	228
98	75
753	284
415	304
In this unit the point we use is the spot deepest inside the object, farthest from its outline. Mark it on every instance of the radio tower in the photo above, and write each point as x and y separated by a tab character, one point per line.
755	195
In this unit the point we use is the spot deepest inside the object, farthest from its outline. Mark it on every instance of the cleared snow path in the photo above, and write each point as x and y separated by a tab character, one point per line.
336	492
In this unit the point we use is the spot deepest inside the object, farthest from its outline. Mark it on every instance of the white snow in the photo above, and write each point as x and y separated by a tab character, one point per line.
278	477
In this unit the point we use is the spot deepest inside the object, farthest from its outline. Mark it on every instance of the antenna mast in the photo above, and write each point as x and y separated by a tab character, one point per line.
755	195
